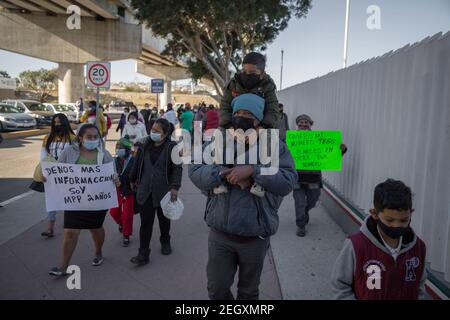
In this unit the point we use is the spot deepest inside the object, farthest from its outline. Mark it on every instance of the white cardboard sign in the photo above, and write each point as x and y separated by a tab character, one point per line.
79	187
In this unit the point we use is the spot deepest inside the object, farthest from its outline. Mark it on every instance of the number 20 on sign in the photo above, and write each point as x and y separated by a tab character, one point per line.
98	74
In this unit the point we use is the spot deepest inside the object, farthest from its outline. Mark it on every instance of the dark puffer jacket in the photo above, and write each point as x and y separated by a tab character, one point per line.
265	89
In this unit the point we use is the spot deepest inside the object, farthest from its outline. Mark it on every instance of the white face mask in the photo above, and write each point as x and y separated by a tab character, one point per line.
133	121
155	136
90	144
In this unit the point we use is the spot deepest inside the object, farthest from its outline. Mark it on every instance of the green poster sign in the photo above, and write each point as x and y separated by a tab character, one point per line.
315	150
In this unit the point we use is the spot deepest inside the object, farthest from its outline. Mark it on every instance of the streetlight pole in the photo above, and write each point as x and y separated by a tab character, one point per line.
347	13
281	73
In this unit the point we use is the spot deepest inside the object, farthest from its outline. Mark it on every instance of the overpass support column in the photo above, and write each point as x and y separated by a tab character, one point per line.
70	82
166	97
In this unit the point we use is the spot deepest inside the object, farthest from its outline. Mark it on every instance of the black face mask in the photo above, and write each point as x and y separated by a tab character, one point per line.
249	81
392	232
57	129
243	123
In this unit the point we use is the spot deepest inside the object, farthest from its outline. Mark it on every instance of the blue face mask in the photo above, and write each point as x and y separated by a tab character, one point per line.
90	144
155	136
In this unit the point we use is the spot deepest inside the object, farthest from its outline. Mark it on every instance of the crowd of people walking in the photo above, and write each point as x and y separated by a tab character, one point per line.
241	220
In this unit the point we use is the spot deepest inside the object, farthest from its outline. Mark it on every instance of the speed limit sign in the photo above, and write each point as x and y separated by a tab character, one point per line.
98	74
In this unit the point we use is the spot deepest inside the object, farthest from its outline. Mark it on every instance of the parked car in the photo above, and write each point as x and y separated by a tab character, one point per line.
73	107
121	104
12	118
24	106
43	110
66	109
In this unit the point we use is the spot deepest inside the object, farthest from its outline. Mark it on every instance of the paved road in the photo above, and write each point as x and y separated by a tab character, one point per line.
18	158
19	155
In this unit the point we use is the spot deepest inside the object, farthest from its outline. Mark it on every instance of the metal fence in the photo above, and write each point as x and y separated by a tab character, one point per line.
394	112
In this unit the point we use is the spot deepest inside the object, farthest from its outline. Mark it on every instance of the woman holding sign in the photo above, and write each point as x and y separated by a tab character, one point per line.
153	176
60	137
87	150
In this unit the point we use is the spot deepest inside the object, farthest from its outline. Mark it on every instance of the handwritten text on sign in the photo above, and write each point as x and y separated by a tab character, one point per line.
79	187
315	150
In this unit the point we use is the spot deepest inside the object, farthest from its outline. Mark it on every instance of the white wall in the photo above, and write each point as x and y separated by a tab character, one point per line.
394	112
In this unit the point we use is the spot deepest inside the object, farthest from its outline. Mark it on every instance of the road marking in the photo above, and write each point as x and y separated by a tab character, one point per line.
24	131
20	196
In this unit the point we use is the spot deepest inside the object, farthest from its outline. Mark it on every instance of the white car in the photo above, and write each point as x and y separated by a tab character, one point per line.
12	118
32	107
66	109
74	108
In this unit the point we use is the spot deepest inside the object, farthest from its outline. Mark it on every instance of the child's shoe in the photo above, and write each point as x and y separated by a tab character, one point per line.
220	189
257	190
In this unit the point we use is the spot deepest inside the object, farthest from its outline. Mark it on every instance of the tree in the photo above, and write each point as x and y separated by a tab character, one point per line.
42	81
4	74
212	36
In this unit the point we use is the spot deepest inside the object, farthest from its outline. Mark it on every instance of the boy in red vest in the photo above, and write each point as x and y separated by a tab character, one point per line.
385	260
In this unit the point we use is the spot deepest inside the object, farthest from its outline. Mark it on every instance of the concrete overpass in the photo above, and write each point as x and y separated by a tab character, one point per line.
108	31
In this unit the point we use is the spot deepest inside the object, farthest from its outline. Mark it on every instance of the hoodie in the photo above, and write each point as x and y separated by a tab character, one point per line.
366	269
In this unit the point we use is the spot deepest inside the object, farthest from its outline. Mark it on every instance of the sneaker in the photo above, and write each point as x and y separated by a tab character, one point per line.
48	234
301	231
257	190
166	249
57	273
120	229
220	189
97	261
126	241
140	260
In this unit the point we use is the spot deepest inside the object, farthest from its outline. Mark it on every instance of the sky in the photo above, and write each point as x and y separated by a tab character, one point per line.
313	46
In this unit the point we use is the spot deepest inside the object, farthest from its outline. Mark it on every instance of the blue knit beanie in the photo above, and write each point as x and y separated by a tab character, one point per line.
250	102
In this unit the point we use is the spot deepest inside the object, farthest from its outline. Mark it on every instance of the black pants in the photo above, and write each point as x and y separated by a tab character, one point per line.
225	256
148	213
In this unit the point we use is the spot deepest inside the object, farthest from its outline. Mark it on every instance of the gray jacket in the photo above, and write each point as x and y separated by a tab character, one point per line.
72	153
344	268
283	126
239	212
155	179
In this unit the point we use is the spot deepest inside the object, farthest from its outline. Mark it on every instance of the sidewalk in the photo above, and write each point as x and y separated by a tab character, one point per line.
304	265
26	258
